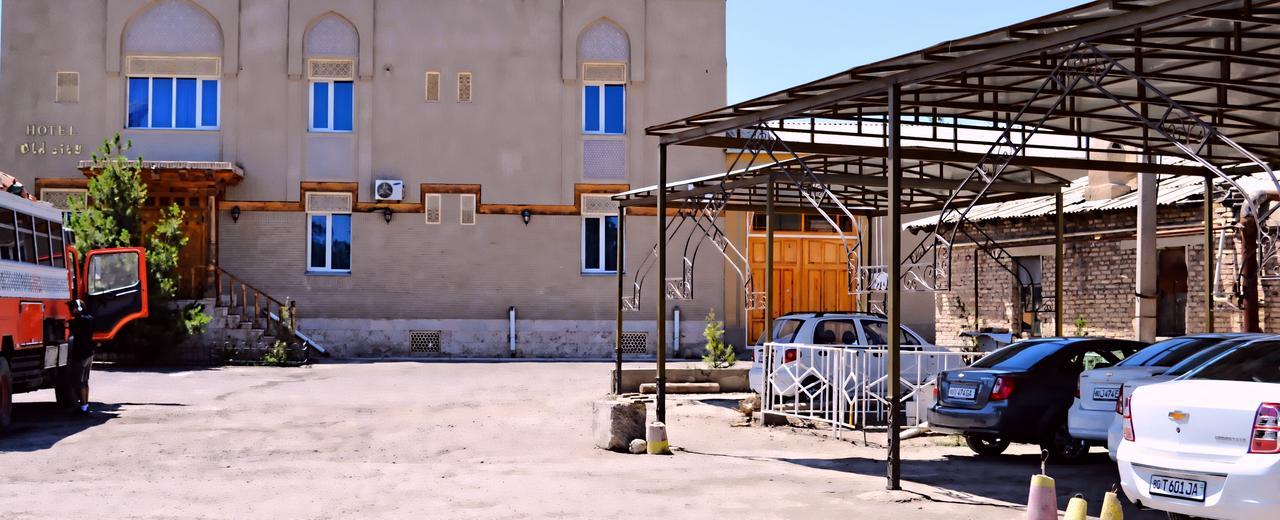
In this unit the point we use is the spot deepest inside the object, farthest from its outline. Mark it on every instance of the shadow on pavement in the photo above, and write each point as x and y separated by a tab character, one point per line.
39	426
1005	478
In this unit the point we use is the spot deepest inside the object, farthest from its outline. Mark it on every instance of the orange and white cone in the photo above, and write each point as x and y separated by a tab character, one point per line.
1111	509
1042	500
1077	509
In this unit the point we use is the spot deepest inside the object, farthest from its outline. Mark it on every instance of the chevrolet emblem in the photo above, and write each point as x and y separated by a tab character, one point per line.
1178	416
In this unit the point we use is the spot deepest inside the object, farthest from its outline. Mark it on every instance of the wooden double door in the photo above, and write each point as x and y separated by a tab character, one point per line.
809	275
194	257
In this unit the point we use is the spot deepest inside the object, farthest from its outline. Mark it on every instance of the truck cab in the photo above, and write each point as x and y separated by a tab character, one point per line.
56	305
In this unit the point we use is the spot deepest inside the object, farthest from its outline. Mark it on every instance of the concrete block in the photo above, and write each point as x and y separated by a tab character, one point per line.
614	423
682	388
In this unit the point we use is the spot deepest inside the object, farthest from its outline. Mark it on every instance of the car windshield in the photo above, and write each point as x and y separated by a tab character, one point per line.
1257	362
1019	356
1168	352
784	331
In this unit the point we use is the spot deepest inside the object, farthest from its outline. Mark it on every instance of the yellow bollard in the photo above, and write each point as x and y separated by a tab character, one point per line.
656	437
1111	509
1077	509
1042	500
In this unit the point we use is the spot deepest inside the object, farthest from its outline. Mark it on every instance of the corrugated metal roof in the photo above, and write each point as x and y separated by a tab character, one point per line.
1173	190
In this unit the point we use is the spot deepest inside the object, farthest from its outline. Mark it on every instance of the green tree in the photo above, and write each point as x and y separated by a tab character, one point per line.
111	216
719	354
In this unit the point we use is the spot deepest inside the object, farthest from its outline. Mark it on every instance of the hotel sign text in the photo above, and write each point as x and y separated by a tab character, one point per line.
42	140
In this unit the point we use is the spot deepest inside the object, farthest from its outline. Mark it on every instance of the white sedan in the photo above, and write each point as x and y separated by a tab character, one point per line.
1208	444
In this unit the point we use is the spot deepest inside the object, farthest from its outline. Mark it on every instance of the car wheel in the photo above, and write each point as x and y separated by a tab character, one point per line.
6	395
1062	447
986	445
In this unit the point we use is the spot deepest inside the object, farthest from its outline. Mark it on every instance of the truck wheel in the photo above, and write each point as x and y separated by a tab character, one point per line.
985	445
6	395
73	382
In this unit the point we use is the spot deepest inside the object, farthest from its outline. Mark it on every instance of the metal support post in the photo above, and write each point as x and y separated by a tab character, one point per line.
661	316
1147	254
1058	261
893	307
769	309
1208	254
617	337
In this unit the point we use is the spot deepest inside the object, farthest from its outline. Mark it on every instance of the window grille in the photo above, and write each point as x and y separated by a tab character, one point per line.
328	202
68	88
464	87
604	72
599	205
635	342
468	216
336	70
60	197
432	210
173	66
433	86
424	342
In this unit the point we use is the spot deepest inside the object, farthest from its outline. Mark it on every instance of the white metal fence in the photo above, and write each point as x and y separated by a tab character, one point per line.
847	387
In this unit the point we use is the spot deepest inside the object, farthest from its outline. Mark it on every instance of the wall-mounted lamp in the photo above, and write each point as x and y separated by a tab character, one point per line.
235	214
526	215
386	214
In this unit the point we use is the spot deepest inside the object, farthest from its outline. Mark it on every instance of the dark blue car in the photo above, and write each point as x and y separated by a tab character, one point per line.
1021	393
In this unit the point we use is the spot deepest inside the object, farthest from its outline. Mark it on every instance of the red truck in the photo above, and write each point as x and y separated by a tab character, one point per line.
54	305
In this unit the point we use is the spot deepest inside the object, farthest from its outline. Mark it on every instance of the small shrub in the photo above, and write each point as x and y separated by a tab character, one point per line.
1081	323
719	354
194	319
277	355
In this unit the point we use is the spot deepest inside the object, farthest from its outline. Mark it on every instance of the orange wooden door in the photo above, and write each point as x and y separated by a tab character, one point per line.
808	275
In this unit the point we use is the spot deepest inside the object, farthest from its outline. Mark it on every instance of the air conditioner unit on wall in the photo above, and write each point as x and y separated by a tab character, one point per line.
387	189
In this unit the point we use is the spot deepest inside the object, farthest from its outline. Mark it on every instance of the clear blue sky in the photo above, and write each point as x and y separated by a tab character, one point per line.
774	44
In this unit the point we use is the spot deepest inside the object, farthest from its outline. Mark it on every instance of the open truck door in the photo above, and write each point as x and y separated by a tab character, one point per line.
114	289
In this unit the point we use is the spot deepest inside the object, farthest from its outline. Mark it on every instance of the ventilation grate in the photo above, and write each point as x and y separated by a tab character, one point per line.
68	88
432	203
468	216
599	205
635	342
464	87
433	86
339	70
173	66
424	342
60	197
328	202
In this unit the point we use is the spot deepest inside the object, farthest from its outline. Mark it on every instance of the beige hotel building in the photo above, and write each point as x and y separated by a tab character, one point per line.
402	169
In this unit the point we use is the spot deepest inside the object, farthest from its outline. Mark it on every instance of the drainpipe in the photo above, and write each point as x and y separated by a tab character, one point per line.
511	328
675	334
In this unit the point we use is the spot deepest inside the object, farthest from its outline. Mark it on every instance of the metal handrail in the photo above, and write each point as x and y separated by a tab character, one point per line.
260	311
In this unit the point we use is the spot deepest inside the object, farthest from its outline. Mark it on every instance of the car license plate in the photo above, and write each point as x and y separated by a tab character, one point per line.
1106	393
1177	487
961	391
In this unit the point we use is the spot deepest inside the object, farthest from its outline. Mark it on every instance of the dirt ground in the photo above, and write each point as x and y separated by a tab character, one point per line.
461	440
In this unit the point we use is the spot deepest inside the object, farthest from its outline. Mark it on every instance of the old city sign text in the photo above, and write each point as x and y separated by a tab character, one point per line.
31	146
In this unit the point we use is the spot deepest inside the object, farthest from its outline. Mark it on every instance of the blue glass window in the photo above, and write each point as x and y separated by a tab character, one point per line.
332	106
591	108
187	103
185	116
139	93
342	106
320	105
614	110
329	247
162	103
209	102
591	236
604	109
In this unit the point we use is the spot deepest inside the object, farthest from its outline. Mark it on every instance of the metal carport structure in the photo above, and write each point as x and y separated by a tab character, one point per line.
1186	87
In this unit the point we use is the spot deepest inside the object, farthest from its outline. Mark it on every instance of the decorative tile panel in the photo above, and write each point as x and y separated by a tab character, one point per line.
604	41
604	159
173	27
332	36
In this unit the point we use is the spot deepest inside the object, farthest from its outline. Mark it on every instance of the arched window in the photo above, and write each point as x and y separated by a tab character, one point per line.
330	46
173	60
603	51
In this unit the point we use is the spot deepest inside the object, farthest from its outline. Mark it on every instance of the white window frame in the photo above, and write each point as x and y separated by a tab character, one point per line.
173	108
600	238
311	106
602	84
328	241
